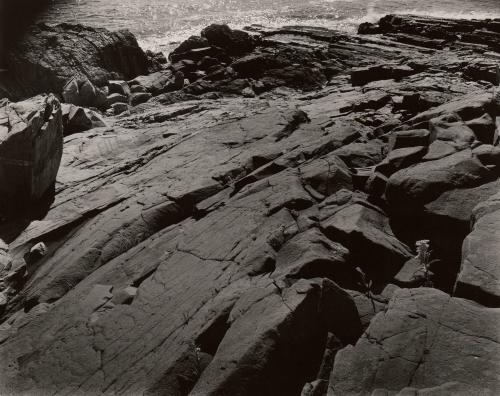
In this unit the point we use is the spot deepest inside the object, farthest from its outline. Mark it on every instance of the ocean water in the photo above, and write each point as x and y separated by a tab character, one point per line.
161	24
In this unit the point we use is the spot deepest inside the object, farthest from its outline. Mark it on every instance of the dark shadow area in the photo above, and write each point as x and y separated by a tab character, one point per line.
16	216
15	17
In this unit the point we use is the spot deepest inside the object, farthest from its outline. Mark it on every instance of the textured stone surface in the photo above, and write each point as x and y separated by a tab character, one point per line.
48	56
237	232
480	272
31	145
426	339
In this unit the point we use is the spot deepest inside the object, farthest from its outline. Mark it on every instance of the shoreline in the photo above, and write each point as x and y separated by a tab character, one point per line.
292	211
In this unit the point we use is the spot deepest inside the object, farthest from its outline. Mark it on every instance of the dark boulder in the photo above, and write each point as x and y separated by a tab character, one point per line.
47	57
234	42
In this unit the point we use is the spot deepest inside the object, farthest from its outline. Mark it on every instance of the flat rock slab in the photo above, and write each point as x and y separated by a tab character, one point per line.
426	339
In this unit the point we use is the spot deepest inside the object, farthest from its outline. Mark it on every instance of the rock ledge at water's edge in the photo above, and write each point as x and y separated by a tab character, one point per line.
240	218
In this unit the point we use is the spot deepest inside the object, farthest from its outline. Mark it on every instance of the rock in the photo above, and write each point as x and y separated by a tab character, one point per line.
154	83
401	158
439	149
75	119
484	128
138	89
248	93
179	80
364	75
235	42
140	97
424	331
456	134
116	98
488	155
3	302
83	93
71	92
446	222
479	275
246	359
360	155
119	108
411	274
197	54
192	42
467	108
255	65
327	176
48	56
34	256
96	119
119	87
189	244
31	149
376	184
368	28
483	71
125	295
427	180
409	138
366	232
310	254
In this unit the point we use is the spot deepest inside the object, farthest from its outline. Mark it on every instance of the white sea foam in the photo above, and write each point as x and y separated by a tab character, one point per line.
160	24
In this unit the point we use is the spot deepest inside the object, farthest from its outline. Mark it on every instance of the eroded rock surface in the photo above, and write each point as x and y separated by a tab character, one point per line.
237	219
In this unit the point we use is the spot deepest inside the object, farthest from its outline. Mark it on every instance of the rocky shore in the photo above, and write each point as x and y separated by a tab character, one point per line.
291	211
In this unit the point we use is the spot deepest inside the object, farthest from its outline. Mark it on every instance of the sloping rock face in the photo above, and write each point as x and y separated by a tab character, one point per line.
31	146
239	231
425	339
479	275
47	57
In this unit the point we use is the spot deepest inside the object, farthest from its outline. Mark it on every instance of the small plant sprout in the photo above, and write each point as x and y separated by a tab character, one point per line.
197	355
423	255
366	285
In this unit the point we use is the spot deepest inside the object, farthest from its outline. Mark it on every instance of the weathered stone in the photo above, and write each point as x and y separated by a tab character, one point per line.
411	138
75	119
30	149
139	97
119	87
247	359
424	340
119	108
364	75
116	98
235	42
48	56
427	180
479	275
366	232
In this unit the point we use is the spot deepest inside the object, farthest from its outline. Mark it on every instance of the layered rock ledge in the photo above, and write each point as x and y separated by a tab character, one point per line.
243	219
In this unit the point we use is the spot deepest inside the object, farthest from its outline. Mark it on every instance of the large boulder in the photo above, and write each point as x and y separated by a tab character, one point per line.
234	42
275	339
425	181
479	278
426	341
49	56
365	230
31	142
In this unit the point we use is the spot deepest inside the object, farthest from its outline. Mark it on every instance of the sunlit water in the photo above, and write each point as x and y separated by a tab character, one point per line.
161	23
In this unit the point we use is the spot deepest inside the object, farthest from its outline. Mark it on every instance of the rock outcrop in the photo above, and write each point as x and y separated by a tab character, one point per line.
244	221
426	342
47	57
31	146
